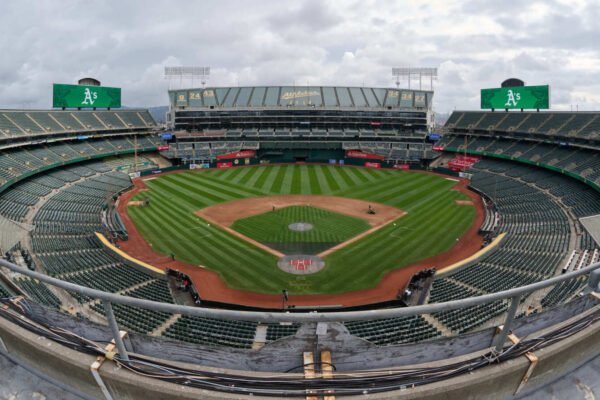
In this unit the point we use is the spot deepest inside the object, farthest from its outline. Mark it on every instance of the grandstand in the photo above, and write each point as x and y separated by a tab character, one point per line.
299	123
61	172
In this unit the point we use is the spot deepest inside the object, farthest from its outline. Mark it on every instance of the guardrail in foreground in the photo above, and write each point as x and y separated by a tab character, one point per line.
514	295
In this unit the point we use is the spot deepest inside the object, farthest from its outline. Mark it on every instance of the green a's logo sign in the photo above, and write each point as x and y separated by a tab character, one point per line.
82	96
89	97
512	99
523	97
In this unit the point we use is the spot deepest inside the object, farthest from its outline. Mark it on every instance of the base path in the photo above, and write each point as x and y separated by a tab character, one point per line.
227	213
211	287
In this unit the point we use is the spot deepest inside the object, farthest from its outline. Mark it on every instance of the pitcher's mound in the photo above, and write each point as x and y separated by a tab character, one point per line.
300	226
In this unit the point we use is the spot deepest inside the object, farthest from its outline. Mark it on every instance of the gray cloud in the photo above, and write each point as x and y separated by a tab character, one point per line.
475	44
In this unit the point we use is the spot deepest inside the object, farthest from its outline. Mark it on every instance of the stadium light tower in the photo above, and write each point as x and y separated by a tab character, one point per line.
411	73
188	73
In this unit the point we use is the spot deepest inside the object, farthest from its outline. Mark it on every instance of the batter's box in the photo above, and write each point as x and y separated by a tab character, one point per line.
301	264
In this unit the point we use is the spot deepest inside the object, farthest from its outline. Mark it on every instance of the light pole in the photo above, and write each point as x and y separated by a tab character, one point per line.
284	298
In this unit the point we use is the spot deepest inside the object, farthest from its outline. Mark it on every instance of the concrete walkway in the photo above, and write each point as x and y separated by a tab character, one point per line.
17	383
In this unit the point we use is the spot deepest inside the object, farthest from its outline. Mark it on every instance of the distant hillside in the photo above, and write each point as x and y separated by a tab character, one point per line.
441	118
158	113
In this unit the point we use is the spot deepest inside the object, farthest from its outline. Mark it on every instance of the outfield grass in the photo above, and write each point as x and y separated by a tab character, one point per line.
329	229
432	225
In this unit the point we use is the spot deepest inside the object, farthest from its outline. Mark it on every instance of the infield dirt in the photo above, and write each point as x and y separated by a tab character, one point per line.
212	287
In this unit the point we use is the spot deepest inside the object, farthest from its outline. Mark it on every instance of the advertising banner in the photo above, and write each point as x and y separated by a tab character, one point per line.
161	148
361	154
438	148
373	165
530	97
239	154
434	136
80	96
200	166
228	164
404	167
166	136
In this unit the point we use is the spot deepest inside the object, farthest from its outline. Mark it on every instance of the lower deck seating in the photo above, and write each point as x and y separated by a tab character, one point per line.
4	292
533	205
278	331
213	331
38	292
564	291
393	330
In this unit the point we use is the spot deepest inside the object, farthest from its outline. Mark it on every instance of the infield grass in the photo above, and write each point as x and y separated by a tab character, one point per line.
328	229
432	225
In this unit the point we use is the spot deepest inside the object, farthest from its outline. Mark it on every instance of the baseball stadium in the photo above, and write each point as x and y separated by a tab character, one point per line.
314	242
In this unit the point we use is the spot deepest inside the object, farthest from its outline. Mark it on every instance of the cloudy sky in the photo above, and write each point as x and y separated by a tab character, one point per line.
475	44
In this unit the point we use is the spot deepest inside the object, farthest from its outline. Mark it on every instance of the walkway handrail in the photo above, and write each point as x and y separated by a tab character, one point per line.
270	316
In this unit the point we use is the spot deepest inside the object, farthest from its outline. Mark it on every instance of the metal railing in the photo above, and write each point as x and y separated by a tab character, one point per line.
514	295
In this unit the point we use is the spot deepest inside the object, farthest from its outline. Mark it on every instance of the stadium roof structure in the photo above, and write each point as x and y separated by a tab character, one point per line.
301	96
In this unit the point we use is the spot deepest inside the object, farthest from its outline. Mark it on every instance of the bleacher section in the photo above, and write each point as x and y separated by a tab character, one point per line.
21	162
391	331
572	125
533	205
537	208
15	124
210	331
64	243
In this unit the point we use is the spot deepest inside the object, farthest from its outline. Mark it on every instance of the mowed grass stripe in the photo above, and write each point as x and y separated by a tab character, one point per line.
432	224
249	178
361	174
296	187
276	185
324	185
384	250
188	184
305	181
349	180
314	185
387	183
222	248
330	182
252	180
193	201
266	178
239	175
410	221
190	193
224	174
227	184
407	195
286	185
226	188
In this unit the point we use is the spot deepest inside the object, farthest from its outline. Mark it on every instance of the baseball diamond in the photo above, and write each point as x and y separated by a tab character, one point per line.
170	226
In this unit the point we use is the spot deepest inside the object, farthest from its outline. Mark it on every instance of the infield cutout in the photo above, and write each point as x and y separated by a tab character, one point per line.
304	264
223	215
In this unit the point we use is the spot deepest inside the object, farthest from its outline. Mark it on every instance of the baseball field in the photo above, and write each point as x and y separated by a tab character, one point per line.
435	217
